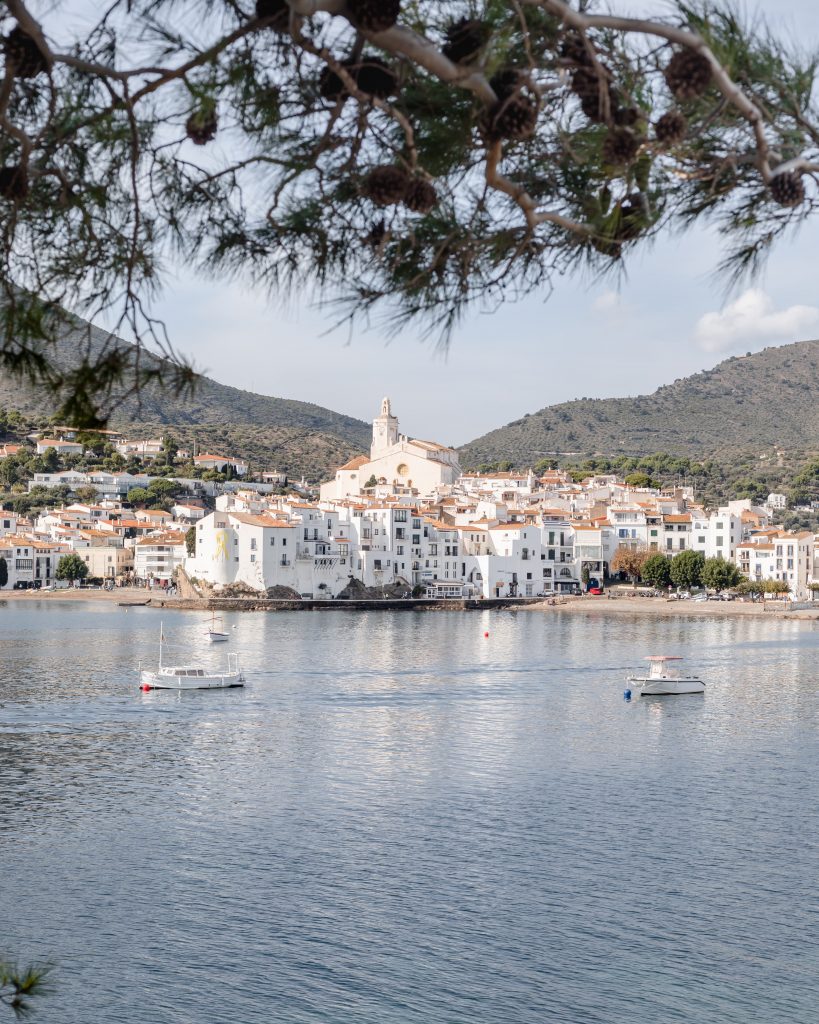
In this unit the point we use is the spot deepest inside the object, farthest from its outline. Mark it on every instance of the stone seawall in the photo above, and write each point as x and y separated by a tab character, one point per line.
253	604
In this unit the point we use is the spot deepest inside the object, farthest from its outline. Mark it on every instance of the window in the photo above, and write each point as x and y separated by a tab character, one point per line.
416	538
720	541
272	542
284	542
252	558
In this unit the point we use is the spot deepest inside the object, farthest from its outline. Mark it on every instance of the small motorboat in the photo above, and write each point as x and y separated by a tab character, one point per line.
664	681
213	634
190	677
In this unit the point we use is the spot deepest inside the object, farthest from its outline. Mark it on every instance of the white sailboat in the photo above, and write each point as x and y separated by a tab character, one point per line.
213	634
663	681
190	677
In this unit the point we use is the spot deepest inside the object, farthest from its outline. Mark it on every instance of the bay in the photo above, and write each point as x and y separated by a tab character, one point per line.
402	820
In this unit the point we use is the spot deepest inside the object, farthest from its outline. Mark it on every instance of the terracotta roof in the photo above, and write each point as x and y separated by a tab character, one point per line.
265	521
356	463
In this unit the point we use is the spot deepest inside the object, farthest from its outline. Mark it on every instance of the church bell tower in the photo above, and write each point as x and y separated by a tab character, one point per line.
385	430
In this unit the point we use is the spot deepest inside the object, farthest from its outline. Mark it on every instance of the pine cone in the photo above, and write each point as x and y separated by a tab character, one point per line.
513	118
505	83
13	183
330	85
386	185
671	128
592	107
375	15
420	196
688	74
620	147
574	48
787	189
586	83
201	127
625	117
465	39
23	55
592	92
376	78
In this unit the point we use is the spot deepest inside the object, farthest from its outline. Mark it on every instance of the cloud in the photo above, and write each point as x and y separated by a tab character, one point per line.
751	319
611	304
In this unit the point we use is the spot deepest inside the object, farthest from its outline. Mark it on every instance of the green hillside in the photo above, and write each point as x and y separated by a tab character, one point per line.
766	400
273	433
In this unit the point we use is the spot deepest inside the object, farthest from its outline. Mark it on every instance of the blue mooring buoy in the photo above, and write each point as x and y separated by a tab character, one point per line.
627	694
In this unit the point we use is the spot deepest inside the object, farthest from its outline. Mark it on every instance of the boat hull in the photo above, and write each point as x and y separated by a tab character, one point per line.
216	637
153	681
667	687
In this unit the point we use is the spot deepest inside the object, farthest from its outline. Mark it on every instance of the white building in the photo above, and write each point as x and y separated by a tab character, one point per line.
61	447
778	555
397	464
262	552
157	557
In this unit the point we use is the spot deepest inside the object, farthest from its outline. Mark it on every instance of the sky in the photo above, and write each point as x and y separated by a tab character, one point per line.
668	318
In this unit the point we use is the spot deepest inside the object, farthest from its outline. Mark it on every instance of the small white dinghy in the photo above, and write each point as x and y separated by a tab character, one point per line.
190	677
665	682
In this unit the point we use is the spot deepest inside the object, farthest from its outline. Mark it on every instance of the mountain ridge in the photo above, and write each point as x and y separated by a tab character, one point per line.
275	433
756	401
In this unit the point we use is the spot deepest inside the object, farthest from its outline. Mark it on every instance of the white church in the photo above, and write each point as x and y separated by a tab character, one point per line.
396	462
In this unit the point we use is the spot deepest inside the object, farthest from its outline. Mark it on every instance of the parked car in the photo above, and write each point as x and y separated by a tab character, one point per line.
595	590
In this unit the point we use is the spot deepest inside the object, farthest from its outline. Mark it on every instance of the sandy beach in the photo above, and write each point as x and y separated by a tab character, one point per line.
661	607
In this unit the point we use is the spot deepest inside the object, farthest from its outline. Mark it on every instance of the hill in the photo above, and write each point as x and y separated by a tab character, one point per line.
765	400
273	433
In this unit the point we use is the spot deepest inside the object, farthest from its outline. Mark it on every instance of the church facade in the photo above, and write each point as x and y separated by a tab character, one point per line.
397	463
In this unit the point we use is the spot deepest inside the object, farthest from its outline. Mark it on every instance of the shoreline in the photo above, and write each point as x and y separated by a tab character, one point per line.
608	606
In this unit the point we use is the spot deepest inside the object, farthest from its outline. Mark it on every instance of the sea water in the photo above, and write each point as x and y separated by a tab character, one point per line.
400	820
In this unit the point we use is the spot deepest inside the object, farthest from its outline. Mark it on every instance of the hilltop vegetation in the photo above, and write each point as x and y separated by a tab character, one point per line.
271	433
759	404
